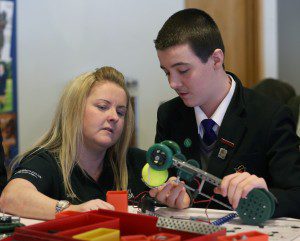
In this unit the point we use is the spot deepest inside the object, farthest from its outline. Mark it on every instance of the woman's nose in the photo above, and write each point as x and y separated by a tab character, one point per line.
113	115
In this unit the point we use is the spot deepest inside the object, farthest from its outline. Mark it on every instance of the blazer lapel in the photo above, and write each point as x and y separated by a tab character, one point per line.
230	135
228	142
188	134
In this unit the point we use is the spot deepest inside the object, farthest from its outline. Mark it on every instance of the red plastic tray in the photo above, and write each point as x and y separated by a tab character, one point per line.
63	229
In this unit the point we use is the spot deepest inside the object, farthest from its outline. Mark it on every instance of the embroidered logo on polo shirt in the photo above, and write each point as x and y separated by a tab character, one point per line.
130	194
29	172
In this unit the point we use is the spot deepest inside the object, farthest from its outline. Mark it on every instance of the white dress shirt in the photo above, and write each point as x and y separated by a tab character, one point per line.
218	115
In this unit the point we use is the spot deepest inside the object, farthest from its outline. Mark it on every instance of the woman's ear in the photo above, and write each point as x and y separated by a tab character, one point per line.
218	58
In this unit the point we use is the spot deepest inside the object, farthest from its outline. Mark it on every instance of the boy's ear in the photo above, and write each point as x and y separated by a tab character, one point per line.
218	58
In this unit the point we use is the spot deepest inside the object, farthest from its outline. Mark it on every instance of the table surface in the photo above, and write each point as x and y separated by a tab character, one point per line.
277	229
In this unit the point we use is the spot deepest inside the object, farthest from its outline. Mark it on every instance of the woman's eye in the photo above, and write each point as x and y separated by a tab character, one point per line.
121	113
102	107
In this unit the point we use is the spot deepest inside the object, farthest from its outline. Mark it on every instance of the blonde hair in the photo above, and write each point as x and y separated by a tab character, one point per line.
65	133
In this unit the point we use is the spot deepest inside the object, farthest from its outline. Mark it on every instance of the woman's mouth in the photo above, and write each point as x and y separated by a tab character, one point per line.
108	129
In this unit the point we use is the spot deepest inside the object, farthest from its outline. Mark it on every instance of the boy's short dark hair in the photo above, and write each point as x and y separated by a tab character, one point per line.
194	27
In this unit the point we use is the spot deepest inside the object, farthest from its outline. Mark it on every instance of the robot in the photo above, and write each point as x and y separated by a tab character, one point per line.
257	208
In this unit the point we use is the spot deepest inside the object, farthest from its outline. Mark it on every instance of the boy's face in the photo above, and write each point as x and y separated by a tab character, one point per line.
188	76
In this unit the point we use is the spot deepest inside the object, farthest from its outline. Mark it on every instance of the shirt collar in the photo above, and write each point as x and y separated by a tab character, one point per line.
218	115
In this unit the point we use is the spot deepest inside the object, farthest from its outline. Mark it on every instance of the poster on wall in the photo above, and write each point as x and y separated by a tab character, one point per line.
8	97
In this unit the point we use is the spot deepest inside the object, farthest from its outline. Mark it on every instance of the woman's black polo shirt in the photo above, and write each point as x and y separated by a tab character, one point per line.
42	170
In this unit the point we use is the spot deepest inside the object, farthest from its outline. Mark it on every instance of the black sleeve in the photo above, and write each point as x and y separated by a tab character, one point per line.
284	165
136	159
3	175
161	127
41	170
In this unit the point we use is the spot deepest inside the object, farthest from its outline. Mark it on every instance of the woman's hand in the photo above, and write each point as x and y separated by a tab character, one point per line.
94	204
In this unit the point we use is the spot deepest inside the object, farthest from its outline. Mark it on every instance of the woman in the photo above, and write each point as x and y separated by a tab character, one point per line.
83	155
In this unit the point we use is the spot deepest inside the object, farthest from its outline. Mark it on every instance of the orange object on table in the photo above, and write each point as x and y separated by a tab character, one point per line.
249	236
119	199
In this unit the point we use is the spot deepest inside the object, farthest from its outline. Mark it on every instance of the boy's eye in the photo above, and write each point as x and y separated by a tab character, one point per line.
183	71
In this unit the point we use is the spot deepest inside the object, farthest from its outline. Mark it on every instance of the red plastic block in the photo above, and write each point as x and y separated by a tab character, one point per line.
249	236
119	199
134	238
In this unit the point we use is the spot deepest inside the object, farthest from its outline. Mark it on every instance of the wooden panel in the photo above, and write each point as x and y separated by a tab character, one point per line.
240	24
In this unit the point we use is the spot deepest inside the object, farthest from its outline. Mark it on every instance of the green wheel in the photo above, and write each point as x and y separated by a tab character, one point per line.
172	145
257	208
159	157
186	175
180	156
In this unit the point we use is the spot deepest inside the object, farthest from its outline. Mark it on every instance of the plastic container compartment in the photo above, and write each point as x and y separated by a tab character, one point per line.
100	234
65	228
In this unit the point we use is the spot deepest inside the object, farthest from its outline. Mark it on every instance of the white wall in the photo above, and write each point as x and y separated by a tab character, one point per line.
281	24
57	40
270	39
289	42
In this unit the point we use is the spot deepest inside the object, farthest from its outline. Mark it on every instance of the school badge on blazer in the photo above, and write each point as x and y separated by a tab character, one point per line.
222	153
226	145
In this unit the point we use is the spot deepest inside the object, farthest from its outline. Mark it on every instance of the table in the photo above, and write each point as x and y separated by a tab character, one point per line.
277	229
25	221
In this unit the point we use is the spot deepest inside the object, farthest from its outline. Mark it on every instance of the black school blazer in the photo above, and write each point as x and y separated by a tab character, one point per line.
256	132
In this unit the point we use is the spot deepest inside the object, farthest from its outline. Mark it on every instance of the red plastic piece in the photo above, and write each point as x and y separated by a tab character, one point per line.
119	199
249	236
134	238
